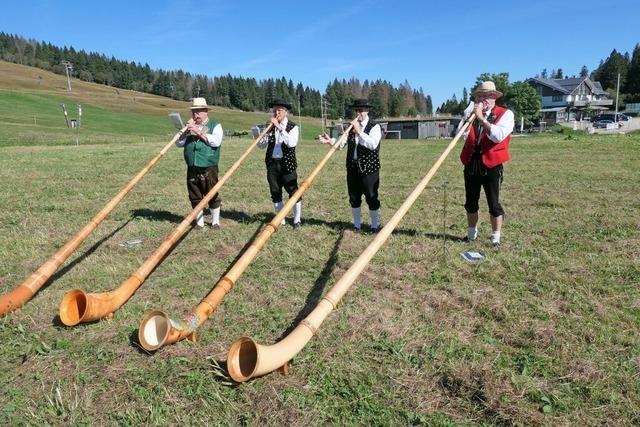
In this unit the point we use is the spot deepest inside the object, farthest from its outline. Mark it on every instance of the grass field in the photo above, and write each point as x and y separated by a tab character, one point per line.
544	332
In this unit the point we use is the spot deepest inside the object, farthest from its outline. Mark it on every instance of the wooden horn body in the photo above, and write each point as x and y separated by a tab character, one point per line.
27	289
79	307
157	329
247	359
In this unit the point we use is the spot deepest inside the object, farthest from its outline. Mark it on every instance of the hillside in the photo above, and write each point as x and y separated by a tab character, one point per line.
31	97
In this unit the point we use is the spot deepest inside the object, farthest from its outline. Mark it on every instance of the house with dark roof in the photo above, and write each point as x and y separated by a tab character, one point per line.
570	98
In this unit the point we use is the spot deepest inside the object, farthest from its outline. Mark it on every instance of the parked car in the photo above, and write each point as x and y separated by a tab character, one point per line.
602	123
612	117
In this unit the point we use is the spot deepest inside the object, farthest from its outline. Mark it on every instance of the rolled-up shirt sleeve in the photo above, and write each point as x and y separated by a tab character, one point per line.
264	141
214	139
290	139
181	141
371	140
502	129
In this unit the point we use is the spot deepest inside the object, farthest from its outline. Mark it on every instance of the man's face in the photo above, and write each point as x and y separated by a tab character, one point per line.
199	115
280	113
488	101
362	113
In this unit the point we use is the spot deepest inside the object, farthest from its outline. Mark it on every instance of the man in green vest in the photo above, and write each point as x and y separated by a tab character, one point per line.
201	142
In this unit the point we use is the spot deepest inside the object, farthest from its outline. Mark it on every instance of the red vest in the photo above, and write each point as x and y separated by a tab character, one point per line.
492	154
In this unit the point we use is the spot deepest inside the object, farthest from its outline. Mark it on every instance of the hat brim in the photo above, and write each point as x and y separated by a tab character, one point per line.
495	93
280	104
353	107
204	107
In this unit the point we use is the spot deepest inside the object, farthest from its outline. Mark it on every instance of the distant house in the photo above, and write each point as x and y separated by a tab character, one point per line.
570	99
407	128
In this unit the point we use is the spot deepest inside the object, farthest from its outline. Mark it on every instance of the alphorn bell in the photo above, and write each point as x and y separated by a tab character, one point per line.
157	329
78	307
247	359
23	293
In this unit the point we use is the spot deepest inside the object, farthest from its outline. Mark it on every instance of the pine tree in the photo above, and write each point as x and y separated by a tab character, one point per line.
633	73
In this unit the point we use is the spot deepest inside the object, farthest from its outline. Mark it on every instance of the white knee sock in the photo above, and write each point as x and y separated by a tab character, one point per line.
215	216
356	217
495	237
200	219
374	218
297	212
472	233
279	207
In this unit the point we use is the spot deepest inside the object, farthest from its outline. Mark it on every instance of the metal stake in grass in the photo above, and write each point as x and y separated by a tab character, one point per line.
445	252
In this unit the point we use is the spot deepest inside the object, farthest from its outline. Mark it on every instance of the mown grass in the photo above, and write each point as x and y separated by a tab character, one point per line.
544	332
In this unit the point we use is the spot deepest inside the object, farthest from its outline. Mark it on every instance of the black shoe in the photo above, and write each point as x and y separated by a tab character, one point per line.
496	245
215	226
356	230
374	230
466	239
297	224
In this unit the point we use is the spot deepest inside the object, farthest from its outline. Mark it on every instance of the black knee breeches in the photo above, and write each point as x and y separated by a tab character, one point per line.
359	185
491	182
279	179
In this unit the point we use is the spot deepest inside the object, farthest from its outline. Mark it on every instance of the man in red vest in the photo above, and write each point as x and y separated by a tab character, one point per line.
486	148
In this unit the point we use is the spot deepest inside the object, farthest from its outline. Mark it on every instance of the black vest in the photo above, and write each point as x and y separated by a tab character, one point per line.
289	162
368	160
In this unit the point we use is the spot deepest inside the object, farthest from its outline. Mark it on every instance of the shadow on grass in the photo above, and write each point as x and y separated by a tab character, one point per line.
154	215
317	290
56	320
60	273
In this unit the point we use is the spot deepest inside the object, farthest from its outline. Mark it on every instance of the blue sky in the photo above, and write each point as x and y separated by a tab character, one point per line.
441	46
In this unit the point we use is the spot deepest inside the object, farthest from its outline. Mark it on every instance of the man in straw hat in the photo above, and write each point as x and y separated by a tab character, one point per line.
280	157
486	148
363	164
201	142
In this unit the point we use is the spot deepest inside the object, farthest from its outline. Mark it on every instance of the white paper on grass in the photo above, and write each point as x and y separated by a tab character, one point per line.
472	256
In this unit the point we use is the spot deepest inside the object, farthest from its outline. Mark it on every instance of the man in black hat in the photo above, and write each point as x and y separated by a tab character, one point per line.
280	158
363	164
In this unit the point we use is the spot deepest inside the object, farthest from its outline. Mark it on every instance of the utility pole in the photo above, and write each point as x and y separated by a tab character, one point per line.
300	114
617	95
68	66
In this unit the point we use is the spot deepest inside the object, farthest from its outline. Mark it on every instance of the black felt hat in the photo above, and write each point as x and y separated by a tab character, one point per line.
361	103
279	102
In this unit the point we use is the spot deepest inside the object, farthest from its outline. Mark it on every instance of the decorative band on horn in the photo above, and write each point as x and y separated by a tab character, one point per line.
333	303
309	325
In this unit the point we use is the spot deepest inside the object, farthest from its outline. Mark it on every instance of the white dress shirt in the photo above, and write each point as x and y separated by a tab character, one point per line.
499	131
370	140
290	139
213	139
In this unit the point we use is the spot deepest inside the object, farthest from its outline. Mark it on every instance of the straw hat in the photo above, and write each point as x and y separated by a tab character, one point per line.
488	88
199	104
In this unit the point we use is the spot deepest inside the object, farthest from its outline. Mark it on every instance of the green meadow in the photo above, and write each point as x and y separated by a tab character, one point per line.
545	331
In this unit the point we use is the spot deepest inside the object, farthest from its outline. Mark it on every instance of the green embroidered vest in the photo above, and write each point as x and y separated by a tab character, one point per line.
199	154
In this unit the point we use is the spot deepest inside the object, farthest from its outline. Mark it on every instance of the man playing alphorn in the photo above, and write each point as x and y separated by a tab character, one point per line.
201	142
363	164
486	148
280	158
